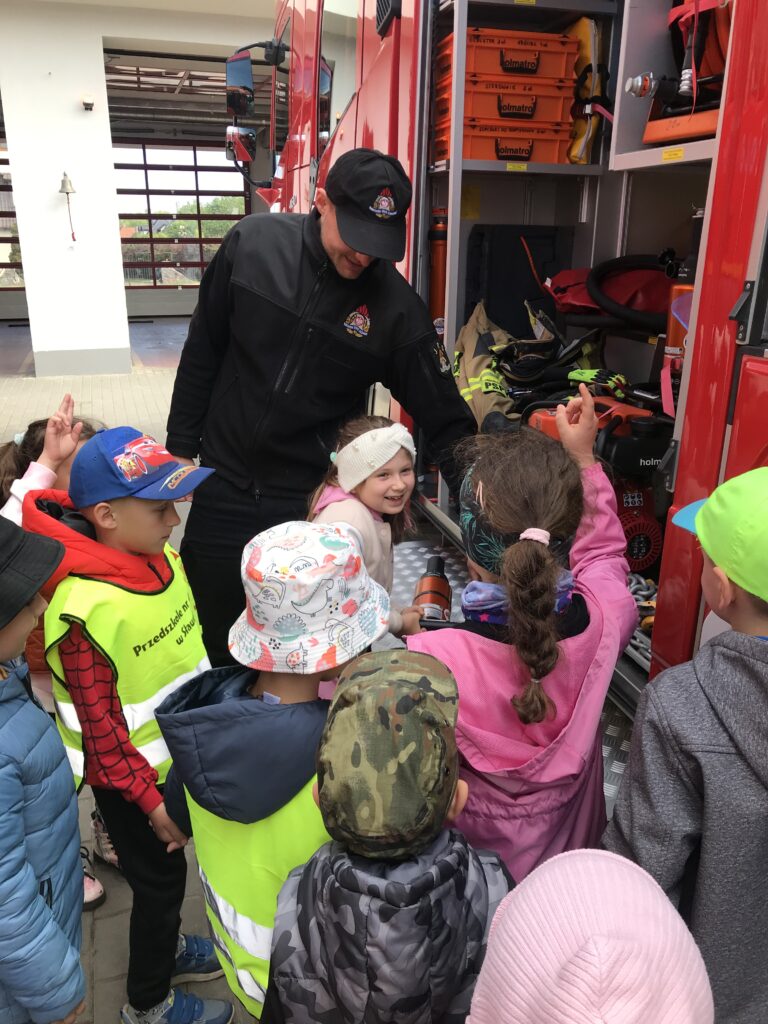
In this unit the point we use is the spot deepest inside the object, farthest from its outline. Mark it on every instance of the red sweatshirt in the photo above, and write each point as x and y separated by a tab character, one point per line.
111	760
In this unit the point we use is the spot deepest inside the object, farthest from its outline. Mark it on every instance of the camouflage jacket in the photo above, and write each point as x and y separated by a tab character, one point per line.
360	941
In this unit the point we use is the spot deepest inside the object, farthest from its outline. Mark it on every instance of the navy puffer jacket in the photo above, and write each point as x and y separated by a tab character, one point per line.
41	879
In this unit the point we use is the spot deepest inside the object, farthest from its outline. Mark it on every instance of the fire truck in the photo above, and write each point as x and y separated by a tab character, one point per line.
661	134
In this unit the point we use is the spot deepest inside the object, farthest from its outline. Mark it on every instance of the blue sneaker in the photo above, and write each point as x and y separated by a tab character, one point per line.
197	961
181	1008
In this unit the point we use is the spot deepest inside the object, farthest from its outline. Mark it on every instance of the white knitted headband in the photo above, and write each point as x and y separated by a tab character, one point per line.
357	460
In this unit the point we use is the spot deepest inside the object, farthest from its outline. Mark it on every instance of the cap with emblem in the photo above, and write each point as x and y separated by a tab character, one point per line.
125	463
371	193
387	764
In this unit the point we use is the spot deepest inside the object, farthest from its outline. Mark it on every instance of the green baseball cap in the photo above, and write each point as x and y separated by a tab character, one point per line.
387	764
732	527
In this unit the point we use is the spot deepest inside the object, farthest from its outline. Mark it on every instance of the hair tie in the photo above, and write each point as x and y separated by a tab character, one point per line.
334	456
19	438
541	536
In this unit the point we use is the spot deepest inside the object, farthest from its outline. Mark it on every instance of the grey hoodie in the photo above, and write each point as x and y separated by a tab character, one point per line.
694	811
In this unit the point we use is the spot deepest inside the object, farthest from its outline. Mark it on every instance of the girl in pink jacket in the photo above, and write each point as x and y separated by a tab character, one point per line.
547	615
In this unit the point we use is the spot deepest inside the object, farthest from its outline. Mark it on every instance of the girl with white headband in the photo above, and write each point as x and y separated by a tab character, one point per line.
547	615
368	486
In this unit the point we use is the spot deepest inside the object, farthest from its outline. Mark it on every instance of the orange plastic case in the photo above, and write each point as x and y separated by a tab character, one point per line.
509	99
507	140
496	51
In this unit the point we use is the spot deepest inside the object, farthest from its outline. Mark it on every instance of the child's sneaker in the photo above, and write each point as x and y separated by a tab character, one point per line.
196	960
103	849
93	890
181	1008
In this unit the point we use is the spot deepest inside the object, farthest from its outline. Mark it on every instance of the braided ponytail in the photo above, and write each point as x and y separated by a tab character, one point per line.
529	574
526	481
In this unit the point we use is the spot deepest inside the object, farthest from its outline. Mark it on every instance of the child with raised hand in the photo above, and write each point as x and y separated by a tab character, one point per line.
38	458
368	486
41	889
387	923
244	739
589	937
693	807
41	456
121	632
547	615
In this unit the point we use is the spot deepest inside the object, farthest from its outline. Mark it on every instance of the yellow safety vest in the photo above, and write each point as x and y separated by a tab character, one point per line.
243	868
153	642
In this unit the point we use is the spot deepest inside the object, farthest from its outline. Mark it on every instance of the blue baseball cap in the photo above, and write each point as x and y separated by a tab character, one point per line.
124	463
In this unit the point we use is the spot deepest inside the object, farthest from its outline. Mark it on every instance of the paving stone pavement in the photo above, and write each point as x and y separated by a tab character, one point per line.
105	937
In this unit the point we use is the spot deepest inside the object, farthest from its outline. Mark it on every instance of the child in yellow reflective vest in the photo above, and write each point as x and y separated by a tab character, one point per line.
244	740
121	633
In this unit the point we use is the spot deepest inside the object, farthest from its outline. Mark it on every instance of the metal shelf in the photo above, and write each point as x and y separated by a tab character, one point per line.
511	167
700	151
608	8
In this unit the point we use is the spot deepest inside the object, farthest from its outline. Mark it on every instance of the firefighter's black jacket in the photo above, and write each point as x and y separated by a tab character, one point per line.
281	350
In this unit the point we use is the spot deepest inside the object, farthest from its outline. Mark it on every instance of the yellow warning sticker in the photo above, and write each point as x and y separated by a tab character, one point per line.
672	153
525	3
517	168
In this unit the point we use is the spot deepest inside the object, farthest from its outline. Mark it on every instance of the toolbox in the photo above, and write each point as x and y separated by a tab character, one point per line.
492	52
543	142
513	98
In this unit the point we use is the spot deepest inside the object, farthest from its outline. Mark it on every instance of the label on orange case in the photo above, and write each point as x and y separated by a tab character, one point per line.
525	3
517	167
672	153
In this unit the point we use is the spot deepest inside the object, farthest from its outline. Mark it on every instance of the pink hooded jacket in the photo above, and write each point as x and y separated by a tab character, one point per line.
537	790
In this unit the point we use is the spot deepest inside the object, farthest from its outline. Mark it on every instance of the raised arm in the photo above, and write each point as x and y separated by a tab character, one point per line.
598	553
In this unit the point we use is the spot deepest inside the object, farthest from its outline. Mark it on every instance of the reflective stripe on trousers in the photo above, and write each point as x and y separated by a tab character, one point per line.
254	938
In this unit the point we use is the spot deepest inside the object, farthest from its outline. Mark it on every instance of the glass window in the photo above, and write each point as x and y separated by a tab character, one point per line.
133	179
220	181
282	93
176	180
128	154
338	66
132	204
170	232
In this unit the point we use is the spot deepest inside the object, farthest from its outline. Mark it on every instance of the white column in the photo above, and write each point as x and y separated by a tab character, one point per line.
50	57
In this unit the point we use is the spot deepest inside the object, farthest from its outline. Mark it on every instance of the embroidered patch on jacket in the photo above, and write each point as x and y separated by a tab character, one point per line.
384	205
358	322
441	358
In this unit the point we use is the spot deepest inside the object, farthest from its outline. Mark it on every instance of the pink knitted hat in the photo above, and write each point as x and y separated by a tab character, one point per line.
590	938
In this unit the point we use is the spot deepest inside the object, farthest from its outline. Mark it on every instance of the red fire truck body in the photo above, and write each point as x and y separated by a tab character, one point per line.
722	424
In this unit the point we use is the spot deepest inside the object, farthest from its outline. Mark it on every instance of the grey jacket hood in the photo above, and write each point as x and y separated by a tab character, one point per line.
732	672
359	940
693	811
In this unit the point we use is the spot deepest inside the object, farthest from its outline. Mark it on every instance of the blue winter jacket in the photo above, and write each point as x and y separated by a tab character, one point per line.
41	879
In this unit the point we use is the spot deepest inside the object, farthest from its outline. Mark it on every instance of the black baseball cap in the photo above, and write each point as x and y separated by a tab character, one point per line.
371	193
27	561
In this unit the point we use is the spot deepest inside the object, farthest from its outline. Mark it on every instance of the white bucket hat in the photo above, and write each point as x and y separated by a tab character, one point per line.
370	451
310	603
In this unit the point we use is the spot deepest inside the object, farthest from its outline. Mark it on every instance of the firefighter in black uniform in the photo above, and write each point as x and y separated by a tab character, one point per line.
297	317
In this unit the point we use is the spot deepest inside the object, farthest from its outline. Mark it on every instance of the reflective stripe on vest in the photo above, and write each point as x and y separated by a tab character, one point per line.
246	981
254	938
152	641
242	868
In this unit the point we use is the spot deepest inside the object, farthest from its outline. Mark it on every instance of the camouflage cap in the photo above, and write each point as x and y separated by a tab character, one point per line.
387	764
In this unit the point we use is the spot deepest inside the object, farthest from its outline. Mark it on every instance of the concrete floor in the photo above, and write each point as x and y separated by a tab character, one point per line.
155	343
